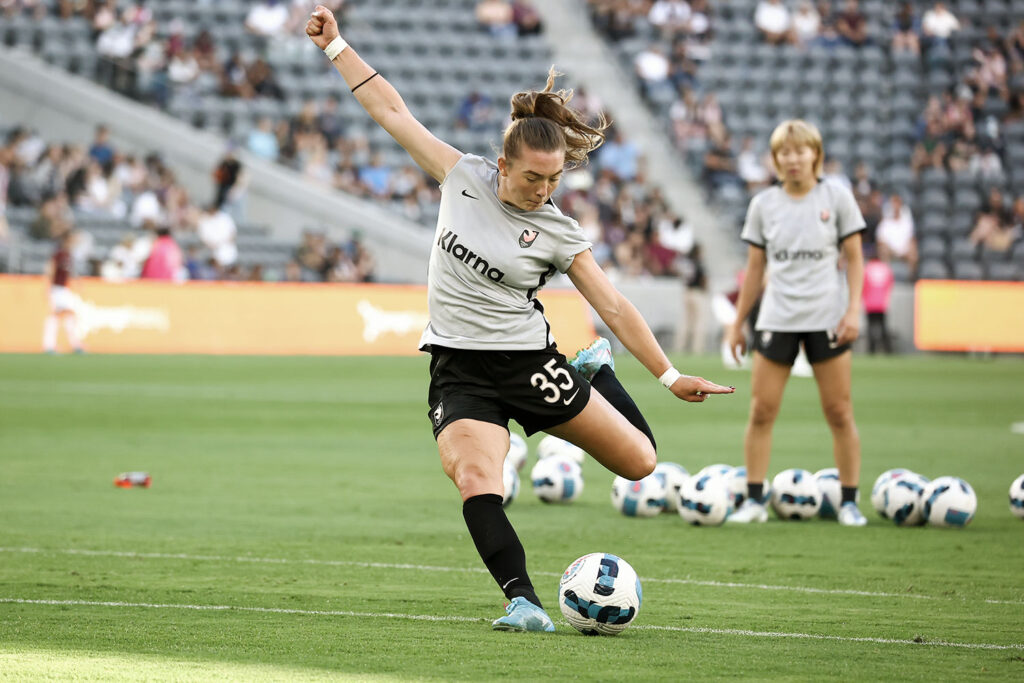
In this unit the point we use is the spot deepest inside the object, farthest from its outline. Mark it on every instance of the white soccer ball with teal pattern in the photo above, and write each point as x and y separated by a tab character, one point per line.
736	478
704	500
878	489
949	501
600	594
1017	496
510	478
557	480
903	499
517	451
831	492
553	447
795	494
672	476
643	498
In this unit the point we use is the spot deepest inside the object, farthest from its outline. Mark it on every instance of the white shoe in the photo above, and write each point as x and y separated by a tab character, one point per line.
750	511
850	515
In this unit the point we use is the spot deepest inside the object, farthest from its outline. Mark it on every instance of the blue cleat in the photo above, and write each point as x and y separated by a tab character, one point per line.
523	615
589	360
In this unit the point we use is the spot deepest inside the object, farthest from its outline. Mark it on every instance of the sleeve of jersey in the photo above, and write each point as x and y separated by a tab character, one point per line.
572	242
849	220
752	232
457	171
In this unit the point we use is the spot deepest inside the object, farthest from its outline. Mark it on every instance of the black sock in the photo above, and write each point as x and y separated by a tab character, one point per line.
608	385
849	494
498	545
755	492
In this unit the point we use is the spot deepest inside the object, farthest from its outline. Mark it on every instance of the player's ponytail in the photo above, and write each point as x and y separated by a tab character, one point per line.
543	121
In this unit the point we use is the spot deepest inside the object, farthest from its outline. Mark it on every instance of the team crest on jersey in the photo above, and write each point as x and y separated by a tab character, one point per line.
438	414
824	215
527	238
766	338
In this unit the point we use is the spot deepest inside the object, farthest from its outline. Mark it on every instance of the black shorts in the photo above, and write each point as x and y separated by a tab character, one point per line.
782	347
537	389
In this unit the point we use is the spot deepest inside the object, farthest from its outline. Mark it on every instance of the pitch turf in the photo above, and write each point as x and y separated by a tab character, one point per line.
299	527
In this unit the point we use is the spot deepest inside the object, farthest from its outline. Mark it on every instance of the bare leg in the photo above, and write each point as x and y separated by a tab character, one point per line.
833	376
768	382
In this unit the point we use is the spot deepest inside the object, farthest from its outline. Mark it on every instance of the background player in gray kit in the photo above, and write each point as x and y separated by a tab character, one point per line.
798	231
498	240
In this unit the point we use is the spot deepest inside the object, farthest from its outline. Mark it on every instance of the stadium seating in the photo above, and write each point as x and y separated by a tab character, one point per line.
868	103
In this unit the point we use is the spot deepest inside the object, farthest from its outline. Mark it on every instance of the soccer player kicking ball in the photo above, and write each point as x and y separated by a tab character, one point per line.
499	239
798	231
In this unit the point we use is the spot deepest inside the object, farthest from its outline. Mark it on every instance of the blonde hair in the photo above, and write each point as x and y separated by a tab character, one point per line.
541	120
799	133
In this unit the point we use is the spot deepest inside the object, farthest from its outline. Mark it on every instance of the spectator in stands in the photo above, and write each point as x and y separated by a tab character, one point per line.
268	18
931	148
720	163
217	231
774	21
937	25
54	218
852	25
376	176
262	141
1015	47
183	68
906	30
692	336
164	261
261	78
476	112
834	172
806	23
878	283
329	120
895	235
101	149
620	156
994	225
526	18
230	183
652	68
496	17
751	168
671	17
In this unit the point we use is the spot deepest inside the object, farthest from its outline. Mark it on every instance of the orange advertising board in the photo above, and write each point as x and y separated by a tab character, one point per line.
247	318
969	316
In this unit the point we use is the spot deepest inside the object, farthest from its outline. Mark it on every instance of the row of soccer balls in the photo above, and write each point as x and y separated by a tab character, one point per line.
709	496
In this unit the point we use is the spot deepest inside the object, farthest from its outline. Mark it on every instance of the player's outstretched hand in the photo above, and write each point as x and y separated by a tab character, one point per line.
322	27
697	389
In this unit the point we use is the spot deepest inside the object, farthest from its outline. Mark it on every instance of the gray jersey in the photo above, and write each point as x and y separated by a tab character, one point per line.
805	292
488	262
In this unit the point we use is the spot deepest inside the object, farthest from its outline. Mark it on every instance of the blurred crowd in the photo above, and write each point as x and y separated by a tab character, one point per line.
72	187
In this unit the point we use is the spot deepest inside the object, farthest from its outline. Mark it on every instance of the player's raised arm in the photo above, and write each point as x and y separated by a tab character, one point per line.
380	99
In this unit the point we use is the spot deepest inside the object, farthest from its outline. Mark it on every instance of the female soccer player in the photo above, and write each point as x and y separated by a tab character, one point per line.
799	230
499	239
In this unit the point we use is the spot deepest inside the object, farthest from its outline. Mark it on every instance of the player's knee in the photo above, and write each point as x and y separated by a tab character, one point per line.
472	479
642	461
763	414
839	416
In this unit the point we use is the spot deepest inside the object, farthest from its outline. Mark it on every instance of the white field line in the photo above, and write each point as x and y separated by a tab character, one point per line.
481	570
429	617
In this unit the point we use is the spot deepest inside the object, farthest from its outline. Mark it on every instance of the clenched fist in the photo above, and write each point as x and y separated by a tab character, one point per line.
322	27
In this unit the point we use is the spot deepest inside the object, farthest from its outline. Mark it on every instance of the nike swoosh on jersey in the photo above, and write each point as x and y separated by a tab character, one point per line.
466	194
569	400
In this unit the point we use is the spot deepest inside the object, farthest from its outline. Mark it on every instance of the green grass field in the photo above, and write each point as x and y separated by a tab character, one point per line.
299	527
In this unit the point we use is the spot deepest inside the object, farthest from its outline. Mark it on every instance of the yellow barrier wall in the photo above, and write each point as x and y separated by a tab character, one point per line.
248	318
969	316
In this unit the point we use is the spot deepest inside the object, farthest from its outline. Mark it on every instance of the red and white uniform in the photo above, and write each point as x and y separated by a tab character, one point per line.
62	298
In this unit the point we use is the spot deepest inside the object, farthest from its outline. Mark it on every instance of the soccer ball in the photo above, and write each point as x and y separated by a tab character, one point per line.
672	476
705	500
736	478
600	594
510	477
903	502
831	492
643	498
517	451
1017	496
795	494
878	489
949	501
556	480
552	446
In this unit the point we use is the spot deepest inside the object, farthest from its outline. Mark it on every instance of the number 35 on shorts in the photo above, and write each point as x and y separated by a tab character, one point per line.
555	382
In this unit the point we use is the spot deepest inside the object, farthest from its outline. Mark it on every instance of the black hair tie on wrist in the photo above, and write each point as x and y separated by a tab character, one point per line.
365	82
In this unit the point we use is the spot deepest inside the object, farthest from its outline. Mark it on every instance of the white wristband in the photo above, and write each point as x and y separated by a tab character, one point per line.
669	377
335	47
